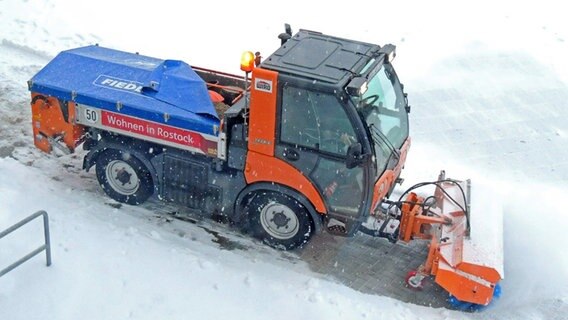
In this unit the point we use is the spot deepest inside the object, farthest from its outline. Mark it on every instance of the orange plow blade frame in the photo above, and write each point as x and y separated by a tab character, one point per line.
465	253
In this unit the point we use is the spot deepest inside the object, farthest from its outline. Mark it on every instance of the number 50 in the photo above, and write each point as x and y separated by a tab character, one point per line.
91	115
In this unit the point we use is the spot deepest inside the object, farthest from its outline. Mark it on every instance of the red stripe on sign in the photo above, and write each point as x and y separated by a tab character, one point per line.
154	130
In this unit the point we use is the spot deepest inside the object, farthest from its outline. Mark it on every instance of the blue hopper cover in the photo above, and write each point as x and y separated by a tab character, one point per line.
142	87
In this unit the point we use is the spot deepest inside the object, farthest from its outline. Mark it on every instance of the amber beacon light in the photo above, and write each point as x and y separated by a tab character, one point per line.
247	61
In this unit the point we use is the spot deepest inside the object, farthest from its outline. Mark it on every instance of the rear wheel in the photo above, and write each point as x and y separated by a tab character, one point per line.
123	177
279	220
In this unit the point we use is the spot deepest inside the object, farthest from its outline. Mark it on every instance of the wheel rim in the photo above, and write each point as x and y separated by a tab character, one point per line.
122	177
279	221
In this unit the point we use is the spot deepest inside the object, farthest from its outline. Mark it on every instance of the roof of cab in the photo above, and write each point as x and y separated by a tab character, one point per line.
321	57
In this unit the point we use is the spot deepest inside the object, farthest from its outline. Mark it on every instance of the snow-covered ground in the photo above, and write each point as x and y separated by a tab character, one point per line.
488	83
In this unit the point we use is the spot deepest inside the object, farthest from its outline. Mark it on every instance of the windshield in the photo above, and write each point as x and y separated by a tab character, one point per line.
382	107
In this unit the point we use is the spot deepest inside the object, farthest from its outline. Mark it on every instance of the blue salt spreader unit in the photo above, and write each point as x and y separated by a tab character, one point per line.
163	91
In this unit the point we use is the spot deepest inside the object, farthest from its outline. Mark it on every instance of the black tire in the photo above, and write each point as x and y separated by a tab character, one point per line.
279	220
123	177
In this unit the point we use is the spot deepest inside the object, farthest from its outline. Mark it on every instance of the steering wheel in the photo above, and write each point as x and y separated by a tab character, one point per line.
370	100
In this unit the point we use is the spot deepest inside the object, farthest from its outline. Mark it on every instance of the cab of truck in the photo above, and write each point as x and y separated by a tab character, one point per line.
339	134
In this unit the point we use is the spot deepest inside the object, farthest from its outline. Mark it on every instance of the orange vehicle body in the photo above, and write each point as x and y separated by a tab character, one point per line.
50	121
261	165
388	179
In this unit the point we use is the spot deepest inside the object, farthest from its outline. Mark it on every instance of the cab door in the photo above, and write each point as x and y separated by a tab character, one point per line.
313	135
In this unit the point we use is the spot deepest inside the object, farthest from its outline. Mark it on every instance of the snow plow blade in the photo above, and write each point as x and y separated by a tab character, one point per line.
466	250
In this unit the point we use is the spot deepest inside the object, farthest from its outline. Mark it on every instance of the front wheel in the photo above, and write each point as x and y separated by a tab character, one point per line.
279	220
123	177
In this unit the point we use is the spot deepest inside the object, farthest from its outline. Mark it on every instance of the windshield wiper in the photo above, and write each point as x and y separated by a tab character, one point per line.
376	133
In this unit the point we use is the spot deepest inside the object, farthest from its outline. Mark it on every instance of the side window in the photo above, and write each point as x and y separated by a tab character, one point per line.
299	121
315	120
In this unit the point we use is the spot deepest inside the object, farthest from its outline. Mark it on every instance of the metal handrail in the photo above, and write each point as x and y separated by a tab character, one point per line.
46	246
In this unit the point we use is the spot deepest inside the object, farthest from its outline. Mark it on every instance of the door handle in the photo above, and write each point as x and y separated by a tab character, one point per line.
291	154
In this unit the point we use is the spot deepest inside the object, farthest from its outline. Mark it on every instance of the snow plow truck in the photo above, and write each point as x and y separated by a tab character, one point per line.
312	138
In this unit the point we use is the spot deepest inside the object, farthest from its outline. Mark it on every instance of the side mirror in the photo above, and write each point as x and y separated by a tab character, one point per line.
354	155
